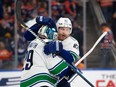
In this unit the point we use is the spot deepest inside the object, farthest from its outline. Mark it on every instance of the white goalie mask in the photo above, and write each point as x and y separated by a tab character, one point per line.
49	33
64	22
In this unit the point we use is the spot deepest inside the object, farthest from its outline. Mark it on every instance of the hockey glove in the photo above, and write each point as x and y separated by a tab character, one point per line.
57	48
40	20
46	21
53	47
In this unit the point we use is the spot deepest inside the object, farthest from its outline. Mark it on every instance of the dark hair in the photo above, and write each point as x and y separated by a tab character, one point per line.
104	25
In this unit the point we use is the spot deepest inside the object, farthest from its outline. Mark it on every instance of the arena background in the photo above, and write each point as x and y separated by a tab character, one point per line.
87	14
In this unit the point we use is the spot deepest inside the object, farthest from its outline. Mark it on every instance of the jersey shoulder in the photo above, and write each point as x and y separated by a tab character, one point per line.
35	43
73	40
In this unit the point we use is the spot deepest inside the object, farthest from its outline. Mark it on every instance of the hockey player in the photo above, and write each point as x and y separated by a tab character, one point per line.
71	46
41	70
70	49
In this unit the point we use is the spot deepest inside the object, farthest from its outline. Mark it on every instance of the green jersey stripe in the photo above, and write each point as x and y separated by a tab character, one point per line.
75	56
59	68
38	78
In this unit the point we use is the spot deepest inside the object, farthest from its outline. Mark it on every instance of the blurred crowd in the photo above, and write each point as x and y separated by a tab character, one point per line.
29	10
108	8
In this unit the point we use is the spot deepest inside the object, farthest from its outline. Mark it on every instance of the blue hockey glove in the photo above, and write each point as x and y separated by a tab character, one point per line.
40	20
57	48
53	47
46	21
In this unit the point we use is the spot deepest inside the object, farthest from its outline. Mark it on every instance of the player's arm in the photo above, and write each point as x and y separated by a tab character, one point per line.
36	24
69	56
56	47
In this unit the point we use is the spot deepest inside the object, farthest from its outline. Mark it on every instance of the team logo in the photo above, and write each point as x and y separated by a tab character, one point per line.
76	46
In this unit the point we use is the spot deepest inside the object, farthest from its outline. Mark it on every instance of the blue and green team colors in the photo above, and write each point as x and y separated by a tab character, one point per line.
43	77
61	66
75	56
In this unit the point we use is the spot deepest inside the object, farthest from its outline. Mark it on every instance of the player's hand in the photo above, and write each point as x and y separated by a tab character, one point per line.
53	47
46	21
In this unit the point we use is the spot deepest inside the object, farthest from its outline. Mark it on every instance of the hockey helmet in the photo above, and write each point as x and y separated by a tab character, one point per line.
64	22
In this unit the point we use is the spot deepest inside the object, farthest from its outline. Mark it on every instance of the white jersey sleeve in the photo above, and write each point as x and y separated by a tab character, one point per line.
72	45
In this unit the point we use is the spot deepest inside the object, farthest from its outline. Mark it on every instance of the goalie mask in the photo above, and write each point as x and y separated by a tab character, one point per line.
49	33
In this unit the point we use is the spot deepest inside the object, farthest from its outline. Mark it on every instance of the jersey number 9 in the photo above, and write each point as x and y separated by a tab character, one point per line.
29	59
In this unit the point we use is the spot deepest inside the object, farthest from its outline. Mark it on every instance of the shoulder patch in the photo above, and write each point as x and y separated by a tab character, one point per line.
76	46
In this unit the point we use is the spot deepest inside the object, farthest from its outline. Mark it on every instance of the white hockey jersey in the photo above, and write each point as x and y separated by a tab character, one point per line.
40	69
